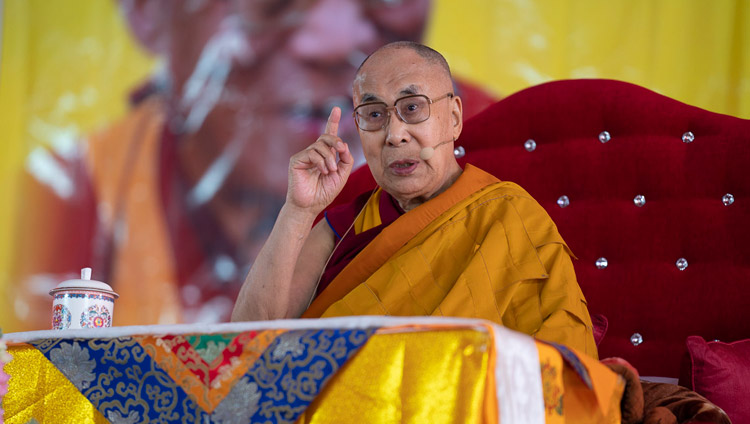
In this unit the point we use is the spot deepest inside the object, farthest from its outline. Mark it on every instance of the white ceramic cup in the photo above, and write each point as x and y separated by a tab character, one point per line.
83	303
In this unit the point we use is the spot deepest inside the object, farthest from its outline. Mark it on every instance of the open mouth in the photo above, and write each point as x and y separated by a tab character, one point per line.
403	167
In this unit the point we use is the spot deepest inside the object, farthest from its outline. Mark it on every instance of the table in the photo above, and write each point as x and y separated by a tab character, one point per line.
353	369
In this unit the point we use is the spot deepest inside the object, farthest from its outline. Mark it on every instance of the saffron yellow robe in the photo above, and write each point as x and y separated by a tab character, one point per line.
484	248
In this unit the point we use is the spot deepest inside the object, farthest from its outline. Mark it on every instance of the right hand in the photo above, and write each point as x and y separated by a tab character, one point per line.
315	176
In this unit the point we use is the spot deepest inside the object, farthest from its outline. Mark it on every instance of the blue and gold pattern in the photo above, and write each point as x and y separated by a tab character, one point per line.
121	379
572	359
296	366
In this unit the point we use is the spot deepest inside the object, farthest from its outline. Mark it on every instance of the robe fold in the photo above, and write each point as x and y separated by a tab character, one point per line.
484	248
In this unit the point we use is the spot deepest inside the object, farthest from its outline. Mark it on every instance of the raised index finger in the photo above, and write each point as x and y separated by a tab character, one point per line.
332	127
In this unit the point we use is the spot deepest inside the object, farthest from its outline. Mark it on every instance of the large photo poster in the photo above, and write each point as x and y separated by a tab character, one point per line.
150	139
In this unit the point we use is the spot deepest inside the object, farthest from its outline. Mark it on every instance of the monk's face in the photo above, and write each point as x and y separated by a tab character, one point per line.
393	152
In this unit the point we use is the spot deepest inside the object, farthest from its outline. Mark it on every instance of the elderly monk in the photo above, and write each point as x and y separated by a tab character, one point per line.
431	239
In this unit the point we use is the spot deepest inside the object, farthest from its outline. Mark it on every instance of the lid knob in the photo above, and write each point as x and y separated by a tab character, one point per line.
86	274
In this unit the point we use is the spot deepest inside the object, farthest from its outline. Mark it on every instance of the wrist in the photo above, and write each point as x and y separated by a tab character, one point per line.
298	215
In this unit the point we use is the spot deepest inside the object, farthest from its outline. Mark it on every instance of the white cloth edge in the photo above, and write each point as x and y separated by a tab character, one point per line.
518	378
353	322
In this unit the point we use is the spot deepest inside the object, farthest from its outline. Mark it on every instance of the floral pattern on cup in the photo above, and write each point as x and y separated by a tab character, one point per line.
96	316
76	295
60	317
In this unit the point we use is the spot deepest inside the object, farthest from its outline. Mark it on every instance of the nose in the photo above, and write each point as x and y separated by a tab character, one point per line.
396	132
334	31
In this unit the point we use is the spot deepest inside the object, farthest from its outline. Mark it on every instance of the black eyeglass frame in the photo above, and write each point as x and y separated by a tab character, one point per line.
395	109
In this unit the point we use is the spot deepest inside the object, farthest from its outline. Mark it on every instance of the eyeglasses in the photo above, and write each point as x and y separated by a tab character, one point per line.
411	109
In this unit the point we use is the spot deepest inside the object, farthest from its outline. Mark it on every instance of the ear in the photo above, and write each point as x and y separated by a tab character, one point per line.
457	116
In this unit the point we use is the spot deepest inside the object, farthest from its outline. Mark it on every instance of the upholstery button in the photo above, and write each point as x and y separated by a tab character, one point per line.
728	199
530	145
681	263
601	263
459	152
604	136
688	137
639	200
563	201
636	339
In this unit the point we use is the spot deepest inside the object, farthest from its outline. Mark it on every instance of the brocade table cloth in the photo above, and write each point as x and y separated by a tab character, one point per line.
353	369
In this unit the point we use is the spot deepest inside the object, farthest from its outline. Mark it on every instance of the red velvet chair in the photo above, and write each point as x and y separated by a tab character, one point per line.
656	187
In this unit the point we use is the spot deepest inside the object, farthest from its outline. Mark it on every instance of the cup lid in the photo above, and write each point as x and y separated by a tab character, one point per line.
85	283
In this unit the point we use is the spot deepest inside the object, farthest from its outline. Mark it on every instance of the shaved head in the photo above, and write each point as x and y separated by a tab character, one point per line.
431	55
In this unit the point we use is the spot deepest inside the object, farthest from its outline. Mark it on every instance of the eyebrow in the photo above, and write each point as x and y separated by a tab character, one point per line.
412	89
370	97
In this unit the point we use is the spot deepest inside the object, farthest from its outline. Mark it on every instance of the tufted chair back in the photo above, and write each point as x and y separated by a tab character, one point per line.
652	196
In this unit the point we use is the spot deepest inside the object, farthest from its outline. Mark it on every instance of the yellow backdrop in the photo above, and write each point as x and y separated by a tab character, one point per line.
67	65
65	69
695	51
